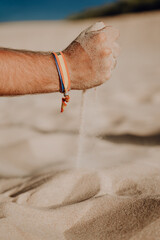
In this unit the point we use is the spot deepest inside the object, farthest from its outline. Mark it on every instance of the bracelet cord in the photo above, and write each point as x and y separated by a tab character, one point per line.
63	77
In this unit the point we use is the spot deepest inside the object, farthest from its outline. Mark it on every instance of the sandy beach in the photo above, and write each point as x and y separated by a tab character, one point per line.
115	192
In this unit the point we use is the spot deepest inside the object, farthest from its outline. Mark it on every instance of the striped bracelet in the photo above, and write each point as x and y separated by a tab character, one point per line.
63	77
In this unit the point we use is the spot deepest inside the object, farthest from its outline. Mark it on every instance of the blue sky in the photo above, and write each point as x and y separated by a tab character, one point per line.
17	10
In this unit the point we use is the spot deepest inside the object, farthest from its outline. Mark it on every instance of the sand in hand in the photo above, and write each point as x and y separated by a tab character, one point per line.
115	194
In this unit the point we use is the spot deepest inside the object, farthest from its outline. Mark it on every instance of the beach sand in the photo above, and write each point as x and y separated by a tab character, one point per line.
115	194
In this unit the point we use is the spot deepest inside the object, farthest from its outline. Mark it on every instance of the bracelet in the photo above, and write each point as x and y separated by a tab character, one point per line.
63	77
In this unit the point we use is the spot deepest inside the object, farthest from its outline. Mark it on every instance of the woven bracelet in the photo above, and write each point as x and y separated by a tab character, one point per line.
63	77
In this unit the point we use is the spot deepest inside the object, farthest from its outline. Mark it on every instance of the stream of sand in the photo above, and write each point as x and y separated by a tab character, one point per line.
82	130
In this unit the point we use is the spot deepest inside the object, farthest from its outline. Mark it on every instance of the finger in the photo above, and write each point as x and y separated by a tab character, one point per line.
105	53
97	38
95	27
108	62
107	75
114	63
112	34
109	65
114	46
115	50
92	29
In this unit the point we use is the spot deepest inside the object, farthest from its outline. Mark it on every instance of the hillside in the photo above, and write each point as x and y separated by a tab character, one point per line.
118	7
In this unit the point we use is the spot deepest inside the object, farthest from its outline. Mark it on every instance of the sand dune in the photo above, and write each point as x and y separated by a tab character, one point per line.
115	203
115	195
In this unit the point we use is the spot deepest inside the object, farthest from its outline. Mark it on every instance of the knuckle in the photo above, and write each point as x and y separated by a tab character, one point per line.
102	37
108	75
116	50
108	51
109	63
112	33
114	64
99	38
105	52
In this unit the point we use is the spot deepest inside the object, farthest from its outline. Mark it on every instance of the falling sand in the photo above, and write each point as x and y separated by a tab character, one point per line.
42	195
82	130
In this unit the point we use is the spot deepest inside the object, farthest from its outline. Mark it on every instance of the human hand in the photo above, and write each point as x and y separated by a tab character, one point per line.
91	57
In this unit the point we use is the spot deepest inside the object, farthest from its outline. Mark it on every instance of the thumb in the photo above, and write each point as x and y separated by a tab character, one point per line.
95	27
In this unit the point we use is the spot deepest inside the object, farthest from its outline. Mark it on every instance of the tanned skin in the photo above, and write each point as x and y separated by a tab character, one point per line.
28	72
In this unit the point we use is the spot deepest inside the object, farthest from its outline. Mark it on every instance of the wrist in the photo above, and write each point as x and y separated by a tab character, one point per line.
79	66
50	67
71	69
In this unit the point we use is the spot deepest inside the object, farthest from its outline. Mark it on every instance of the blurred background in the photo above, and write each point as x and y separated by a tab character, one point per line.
16	10
122	123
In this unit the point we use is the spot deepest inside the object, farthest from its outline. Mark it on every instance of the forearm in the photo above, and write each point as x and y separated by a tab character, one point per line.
90	58
27	72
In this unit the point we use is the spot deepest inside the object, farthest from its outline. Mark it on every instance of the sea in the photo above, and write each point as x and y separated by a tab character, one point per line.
25	10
